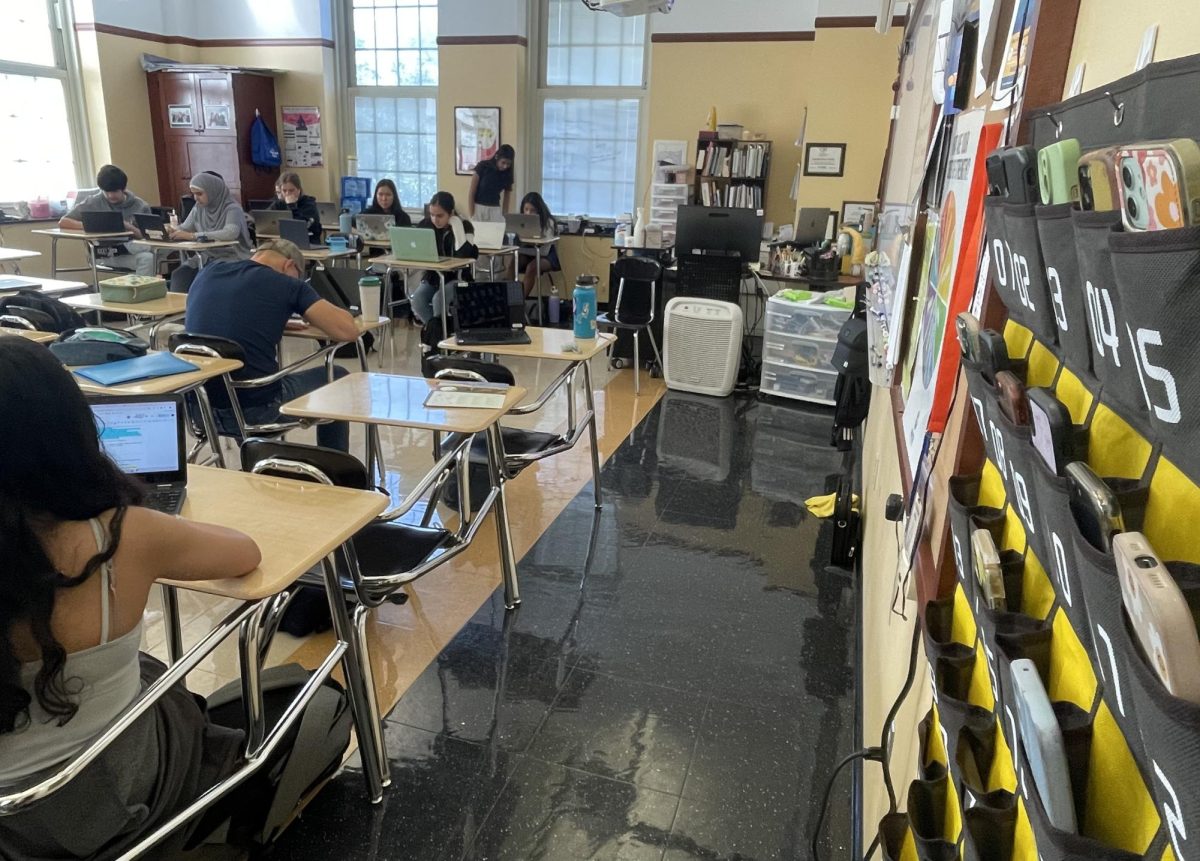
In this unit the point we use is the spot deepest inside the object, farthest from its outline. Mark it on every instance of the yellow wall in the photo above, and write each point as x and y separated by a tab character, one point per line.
1108	35
71	253
765	87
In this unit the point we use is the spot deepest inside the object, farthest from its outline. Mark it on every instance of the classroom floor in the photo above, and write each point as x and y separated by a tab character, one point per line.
677	683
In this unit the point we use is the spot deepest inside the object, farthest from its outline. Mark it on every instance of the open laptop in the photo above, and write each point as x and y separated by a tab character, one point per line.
296	231
482	315
328	212
145	436
374	228
525	226
811	226
266	221
489	234
339	286
260	204
102	222
152	225
418	244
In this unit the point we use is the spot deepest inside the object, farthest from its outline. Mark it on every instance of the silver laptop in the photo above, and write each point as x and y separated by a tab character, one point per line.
144	435
489	235
296	231
418	244
266	221
328	212
374	228
525	226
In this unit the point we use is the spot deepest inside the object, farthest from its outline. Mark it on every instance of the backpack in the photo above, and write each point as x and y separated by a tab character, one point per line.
852	391
44	312
264	146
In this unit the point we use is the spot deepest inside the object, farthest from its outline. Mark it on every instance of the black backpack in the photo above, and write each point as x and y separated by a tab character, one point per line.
44	312
852	391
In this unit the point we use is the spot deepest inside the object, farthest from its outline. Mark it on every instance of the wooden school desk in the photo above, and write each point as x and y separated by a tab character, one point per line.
15	256
440	268
49	286
30	335
168	309
92	240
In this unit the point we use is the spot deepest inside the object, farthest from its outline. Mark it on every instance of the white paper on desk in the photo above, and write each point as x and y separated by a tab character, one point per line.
444	398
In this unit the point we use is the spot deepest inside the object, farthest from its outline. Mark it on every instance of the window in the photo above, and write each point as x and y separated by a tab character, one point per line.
592	92
393	76
41	144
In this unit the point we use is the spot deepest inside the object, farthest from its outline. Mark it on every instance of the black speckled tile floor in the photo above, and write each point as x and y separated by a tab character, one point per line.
677	684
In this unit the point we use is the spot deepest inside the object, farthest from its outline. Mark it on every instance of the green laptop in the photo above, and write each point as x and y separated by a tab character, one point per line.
414	243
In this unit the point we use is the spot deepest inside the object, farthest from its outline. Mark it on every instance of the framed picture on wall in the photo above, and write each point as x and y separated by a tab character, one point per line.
854	210
476	137
824	159
218	117
180	116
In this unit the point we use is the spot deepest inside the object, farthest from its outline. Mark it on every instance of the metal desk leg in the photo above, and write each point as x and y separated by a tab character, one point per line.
249	657
508	564
537	280
357	669
92	257
442	292
590	400
54	257
172	624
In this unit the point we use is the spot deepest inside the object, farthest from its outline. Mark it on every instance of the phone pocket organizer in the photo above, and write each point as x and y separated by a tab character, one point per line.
1027	271
895	838
989	828
963	697
1014	451
935	816
1157	277
995	237
1068	299
1111	350
974	502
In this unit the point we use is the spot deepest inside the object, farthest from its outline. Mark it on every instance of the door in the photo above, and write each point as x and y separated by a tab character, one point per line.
216	154
178	103
215	92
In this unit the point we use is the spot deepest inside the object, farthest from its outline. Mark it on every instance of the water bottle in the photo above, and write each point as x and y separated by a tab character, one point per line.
585	307
555	312
345	220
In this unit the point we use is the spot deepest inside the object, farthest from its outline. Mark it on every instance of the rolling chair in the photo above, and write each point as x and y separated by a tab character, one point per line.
634	310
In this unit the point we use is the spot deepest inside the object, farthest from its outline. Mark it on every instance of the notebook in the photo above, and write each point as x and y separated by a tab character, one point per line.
147	367
145	436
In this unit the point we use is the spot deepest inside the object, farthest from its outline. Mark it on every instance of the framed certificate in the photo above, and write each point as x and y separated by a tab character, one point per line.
824	159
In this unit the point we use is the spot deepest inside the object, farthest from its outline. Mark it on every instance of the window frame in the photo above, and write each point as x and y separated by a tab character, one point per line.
539	25
66	68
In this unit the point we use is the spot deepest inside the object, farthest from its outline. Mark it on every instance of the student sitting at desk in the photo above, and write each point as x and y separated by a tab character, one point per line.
250	301
215	216
454	237
80	559
387	202
114	196
290	197
533	204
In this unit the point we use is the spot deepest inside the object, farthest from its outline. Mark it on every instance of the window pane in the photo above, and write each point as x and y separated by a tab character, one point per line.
385	29
27	35
574	32
405	32
35	139
364	28
608	67
408	22
397	138
589	155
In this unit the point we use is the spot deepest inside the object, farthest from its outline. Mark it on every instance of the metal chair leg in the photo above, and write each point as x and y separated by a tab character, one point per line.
637	364
654	344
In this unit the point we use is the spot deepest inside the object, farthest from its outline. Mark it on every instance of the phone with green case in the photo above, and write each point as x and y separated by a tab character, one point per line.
1058	171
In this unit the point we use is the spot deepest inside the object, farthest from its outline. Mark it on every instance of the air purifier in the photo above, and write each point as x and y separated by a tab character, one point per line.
703	342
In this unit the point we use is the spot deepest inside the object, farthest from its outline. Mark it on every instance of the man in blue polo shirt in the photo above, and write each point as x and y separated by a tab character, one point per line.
250	301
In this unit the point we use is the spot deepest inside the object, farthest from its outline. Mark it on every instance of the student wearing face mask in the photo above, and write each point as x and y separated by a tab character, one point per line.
290	197
454	237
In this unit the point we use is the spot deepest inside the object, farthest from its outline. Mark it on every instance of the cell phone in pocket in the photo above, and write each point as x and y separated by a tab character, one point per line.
967	326
1058	174
994	164
1045	750
1095	507
993	353
1155	181
1013	402
1098	188
1020	174
988	573
1051	423
1159	615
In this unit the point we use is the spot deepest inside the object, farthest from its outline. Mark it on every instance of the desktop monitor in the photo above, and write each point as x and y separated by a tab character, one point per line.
711	229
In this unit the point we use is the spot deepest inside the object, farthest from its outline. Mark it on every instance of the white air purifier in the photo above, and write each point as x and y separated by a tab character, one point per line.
703	344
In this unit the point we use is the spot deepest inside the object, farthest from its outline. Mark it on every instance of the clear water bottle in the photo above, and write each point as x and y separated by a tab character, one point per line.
554	306
585	307
345	219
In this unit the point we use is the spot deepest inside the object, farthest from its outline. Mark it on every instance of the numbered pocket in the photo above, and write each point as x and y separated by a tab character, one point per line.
1000	258
1112	356
989	828
1028	271
1014	448
1056	233
935	817
1157	276
965	516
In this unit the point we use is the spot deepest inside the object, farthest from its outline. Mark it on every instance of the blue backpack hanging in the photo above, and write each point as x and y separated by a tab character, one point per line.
264	147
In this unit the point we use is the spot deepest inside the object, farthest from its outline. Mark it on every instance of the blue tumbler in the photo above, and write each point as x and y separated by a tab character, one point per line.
585	307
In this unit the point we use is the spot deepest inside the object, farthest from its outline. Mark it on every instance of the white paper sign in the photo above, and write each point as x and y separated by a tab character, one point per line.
1077	81
1146	54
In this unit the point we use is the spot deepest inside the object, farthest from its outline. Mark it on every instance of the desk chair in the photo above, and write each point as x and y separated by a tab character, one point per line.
17	321
634	310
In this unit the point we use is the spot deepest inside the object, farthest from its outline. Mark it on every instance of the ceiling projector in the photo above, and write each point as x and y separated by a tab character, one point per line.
630	8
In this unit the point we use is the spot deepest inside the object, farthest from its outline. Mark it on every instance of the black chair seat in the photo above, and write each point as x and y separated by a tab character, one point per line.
516	441
385	549
606	319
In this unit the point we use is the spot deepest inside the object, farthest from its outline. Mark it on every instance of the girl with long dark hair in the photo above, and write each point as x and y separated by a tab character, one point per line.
454	236
534	204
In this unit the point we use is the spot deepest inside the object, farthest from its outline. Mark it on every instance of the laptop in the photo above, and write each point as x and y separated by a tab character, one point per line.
296	231
328	212
418	244
482	315
152	225
525	226
102	222
266	221
489	235
145	436
259	205
374	228
811	226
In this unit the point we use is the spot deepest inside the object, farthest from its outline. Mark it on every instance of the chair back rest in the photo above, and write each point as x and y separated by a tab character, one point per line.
12	321
433	365
304	463
637	279
194	344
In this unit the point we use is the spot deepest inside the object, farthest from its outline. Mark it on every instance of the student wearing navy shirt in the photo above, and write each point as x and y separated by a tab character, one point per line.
250	302
491	186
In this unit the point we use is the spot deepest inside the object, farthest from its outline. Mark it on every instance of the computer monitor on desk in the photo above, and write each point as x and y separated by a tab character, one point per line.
719	231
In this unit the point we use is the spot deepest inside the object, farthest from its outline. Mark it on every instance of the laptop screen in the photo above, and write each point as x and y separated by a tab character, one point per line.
143	436
483	304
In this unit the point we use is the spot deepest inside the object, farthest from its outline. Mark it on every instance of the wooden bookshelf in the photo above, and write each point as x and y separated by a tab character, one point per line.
731	173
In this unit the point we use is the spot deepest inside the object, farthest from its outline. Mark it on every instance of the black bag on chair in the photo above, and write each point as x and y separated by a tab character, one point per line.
46	313
852	392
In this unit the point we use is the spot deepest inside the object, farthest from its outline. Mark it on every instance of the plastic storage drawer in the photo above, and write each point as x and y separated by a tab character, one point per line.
806	385
812	319
670	191
798	351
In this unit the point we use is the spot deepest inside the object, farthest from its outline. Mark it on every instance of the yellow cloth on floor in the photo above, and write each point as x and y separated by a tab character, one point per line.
822	506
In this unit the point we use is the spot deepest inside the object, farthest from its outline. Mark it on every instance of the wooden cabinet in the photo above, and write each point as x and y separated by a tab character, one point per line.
201	120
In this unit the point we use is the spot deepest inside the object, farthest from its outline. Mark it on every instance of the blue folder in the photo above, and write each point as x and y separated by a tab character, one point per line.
144	367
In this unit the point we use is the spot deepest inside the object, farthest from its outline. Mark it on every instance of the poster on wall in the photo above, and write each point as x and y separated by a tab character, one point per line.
1010	78
476	137
302	137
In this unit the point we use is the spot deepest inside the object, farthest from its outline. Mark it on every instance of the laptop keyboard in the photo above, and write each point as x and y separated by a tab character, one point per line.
168	500
506	335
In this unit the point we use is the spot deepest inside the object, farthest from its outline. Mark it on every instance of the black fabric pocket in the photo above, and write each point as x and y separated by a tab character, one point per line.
1112	355
983	396
1015	447
1157	277
894	836
989	828
1000	258
933	831
1067	296
1027	271
965	517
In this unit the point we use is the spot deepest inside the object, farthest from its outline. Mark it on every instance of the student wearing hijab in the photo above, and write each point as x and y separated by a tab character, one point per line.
217	217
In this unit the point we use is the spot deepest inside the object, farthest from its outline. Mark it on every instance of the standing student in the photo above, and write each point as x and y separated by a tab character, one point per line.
114	196
387	202
290	197
454	237
80	560
491	186
215	216
534	204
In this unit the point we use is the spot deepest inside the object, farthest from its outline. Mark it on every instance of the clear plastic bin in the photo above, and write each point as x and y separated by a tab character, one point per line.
806	385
